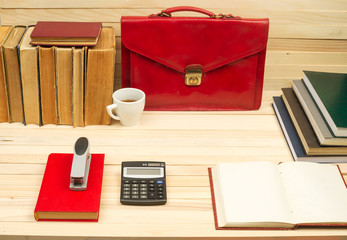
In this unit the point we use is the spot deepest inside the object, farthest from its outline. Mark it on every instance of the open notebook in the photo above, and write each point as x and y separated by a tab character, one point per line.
266	195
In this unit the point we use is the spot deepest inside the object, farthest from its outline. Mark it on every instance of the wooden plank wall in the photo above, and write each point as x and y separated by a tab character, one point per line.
304	34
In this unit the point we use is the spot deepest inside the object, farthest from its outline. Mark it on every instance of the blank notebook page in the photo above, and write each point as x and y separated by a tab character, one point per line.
316	191
250	194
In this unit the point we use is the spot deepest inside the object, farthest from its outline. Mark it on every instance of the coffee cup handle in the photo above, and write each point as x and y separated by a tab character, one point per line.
109	109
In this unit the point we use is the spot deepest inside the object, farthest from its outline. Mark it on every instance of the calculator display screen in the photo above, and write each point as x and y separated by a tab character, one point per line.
143	172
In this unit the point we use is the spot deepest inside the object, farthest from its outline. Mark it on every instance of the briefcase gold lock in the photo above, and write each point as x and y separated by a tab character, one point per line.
193	75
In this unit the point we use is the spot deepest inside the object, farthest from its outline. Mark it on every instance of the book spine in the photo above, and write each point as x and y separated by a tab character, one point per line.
48	85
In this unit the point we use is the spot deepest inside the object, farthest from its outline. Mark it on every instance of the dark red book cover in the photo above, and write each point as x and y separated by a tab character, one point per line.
57	202
61	30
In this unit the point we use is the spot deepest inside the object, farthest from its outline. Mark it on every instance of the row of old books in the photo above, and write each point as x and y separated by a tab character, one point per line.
54	84
313	117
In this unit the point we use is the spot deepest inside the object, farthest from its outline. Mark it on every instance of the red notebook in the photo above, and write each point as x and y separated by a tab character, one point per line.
66	33
56	202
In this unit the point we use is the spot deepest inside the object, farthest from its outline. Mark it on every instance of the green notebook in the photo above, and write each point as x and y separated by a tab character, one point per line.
329	91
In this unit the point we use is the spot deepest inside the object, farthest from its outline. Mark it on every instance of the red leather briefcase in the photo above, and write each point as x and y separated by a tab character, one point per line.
213	62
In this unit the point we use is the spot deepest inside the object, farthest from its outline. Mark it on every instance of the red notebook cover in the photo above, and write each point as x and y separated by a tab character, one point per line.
66	30
60	32
56	198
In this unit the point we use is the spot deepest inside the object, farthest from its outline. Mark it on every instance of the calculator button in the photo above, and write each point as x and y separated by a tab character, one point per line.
135	181
126	185
151	189
143	196
135	189
126	196
143	182
143	185
160	189
126	181
126	189
151	195
159	185
151	185
160	197
134	192
134	185
160	193
135	196
151	181
126	192
143	193
160	182
143	189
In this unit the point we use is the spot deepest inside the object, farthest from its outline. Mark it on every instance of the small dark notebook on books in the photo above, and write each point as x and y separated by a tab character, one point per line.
329	91
66	33
319	125
56	202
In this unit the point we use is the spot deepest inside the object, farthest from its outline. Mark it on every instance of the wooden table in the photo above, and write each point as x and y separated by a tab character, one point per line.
189	142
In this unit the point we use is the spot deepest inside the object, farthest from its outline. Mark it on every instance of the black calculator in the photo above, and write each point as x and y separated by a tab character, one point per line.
143	183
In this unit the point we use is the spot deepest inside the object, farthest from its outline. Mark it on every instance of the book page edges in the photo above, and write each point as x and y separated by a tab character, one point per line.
42	215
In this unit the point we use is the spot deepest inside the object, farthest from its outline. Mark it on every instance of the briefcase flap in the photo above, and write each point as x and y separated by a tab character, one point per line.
179	42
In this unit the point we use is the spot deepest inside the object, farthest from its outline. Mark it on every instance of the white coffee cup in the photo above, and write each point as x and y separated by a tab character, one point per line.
128	104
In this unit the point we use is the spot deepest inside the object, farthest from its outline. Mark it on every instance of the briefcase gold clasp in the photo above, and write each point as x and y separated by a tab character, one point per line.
193	75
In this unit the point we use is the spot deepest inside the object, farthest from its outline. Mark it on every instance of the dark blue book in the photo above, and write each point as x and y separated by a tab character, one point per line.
293	139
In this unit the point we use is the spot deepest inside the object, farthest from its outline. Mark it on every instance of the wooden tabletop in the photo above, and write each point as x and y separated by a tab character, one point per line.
189	143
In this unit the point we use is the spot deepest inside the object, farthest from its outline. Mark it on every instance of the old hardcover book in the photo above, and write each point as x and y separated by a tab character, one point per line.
293	140
57	202
63	69
329	90
78	86
315	117
12	74
48	85
304	128
266	195
4	116
99	81
66	33
29	70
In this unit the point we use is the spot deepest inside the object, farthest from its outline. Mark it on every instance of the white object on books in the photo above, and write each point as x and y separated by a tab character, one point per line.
269	195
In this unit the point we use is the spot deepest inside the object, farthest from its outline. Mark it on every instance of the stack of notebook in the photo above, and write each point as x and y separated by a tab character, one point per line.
313	117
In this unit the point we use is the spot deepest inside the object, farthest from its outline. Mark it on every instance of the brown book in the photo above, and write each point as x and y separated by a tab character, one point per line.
4	116
48	85
304	129
63	68
78	87
100	78
30	79
66	33
12	74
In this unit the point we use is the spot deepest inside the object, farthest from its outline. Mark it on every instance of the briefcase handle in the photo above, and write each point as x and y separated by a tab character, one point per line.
167	12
